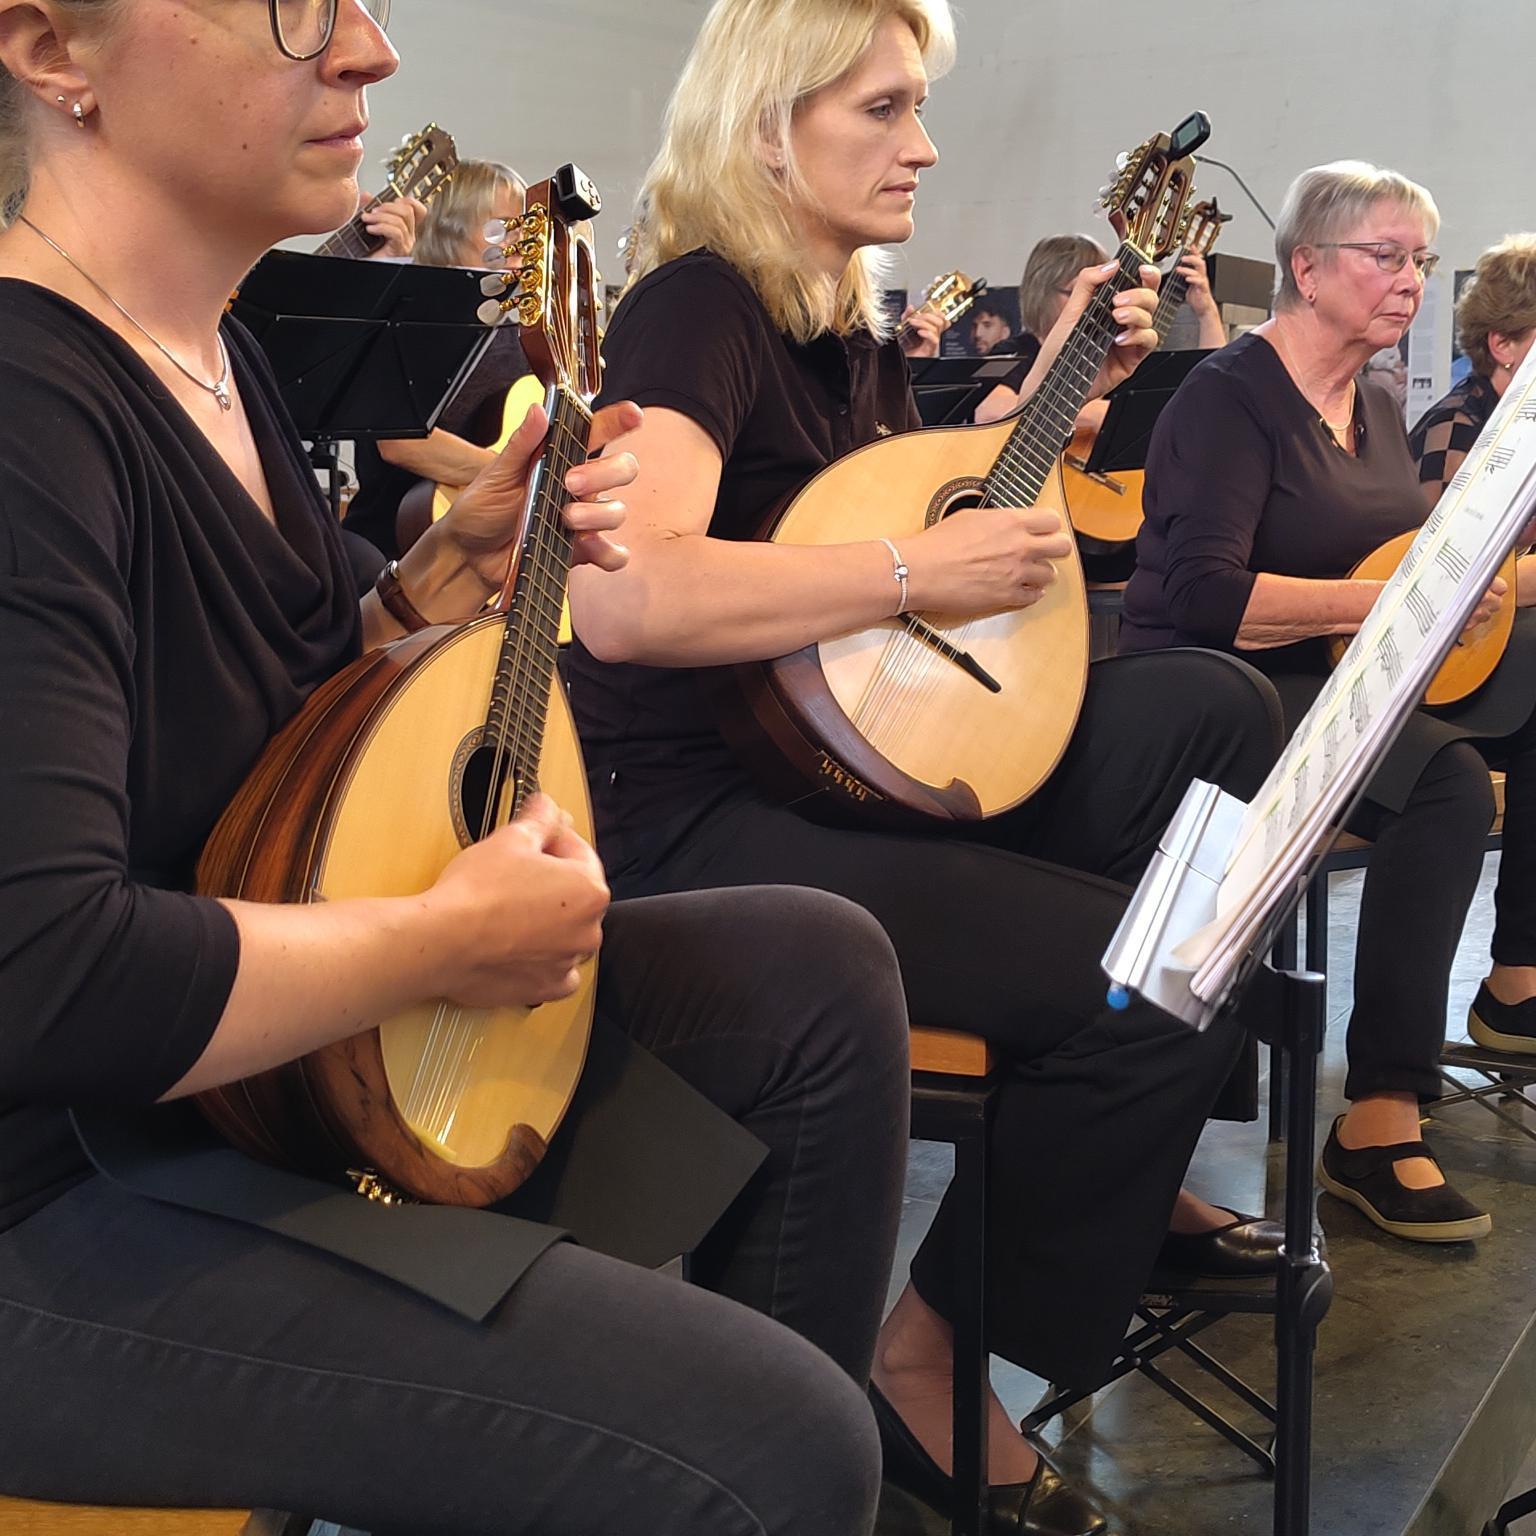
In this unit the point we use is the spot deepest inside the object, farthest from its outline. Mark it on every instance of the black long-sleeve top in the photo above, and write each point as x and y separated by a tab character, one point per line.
1243	477
155	631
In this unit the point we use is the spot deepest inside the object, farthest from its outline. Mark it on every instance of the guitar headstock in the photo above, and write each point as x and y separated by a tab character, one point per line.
423	164
1147	199
550	283
1203	226
952	294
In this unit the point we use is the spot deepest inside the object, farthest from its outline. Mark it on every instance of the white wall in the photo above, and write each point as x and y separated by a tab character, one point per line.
1045	94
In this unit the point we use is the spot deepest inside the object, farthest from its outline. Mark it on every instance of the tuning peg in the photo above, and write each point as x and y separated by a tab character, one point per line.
494	311
1122	160
495	283
495	232
493	255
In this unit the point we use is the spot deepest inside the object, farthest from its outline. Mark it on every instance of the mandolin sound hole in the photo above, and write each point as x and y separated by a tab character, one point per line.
956	496
482	776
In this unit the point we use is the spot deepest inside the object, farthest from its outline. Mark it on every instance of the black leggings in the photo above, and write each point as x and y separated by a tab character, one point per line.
152	1355
1425	863
1002	933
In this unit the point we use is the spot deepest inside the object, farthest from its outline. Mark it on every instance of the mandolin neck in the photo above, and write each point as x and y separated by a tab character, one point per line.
525	670
1048	418
1174	291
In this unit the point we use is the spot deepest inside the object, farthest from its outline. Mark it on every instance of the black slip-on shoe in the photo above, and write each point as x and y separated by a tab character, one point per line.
1502	1026
1364	1177
1245	1247
1044	1506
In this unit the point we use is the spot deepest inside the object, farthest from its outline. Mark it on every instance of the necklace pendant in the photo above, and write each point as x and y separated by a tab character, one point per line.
221	394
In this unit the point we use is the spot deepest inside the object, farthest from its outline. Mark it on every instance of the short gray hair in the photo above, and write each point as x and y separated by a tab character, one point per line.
1328	201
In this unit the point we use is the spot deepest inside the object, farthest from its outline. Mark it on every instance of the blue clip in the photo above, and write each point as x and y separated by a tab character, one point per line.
1118	998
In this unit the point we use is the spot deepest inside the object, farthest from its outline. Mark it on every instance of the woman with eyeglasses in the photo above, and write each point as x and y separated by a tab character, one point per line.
1270	476
187	1327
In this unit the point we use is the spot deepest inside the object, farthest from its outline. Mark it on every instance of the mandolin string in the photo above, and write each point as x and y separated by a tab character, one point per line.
539	595
1023	459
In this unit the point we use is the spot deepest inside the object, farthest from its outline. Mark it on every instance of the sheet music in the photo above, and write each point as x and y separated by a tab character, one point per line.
1380	679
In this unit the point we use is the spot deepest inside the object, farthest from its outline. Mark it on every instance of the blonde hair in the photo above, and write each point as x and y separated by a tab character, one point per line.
1328	201
15	155
462	209
753	63
1054	261
1500	297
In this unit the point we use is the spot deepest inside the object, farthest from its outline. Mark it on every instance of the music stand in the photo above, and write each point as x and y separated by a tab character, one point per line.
948	389
1134	407
363	349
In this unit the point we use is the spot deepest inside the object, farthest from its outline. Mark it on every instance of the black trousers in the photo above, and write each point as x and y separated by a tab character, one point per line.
1001	933
151	1355
1423	873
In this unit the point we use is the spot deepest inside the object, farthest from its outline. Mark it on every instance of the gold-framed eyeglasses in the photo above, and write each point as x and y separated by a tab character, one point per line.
1388	254
303	29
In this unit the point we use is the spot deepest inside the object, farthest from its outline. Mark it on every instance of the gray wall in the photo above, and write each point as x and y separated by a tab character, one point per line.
1045	93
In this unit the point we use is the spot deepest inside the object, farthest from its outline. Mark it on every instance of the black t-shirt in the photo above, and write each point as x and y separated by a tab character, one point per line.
475	414
1243	477
694	337
1024	345
155	631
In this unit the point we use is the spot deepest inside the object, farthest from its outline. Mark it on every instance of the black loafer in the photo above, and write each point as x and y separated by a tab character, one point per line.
1044	1506
1500	1026
1365	1178
1246	1246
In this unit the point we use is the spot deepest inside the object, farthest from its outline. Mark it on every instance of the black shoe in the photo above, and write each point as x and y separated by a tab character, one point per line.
1364	1177
1044	1506
1245	1247
1502	1026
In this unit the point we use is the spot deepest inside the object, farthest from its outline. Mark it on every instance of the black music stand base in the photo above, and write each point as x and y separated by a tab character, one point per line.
1305	1287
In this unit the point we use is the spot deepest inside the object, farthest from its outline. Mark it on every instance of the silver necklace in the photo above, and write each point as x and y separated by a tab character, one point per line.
219	389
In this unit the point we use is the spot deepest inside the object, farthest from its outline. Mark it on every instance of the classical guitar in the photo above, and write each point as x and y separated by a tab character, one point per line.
1108	507
958	716
414	751
421	167
950	296
1474	656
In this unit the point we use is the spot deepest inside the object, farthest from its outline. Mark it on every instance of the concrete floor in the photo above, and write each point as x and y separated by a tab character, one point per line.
1410	1354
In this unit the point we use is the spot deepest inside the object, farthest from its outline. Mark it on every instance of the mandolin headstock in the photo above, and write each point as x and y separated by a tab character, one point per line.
423	164
1203	226
1146	202
549	282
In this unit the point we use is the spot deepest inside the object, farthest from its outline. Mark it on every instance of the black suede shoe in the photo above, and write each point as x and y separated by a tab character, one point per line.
1044	1506
1245	1247
1502	1026
1364	1177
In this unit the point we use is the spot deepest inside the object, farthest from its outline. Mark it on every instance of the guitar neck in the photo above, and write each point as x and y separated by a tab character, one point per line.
353	239
526	670
1048	418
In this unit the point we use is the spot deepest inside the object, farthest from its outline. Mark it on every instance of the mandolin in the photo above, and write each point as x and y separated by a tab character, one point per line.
414	751
956	716
1474	656
421	167
1108	507
950	296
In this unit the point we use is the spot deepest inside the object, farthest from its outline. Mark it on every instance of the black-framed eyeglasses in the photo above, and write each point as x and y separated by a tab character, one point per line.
302	29
1388	254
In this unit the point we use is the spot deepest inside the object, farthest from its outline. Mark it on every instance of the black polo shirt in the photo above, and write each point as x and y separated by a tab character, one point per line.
694	337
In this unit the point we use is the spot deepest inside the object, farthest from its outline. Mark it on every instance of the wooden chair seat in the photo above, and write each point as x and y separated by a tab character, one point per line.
951	1052
24	1517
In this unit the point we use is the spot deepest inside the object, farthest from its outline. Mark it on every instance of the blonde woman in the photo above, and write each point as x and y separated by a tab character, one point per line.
1495	326
458	448
171	589
794	148
1274	471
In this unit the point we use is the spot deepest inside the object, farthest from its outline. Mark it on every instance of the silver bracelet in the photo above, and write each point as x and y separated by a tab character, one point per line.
900	572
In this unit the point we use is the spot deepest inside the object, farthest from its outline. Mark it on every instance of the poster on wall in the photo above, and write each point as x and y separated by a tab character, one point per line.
1461	364
991	320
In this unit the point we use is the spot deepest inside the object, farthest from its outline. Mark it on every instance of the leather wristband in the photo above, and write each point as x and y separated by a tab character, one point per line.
396	604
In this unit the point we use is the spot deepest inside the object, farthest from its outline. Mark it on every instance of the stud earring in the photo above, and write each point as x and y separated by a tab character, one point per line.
79	112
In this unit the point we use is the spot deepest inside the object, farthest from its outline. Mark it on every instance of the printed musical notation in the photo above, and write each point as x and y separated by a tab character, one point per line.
1380	680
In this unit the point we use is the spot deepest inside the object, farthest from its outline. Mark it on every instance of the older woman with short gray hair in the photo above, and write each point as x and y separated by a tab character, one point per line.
1271	475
